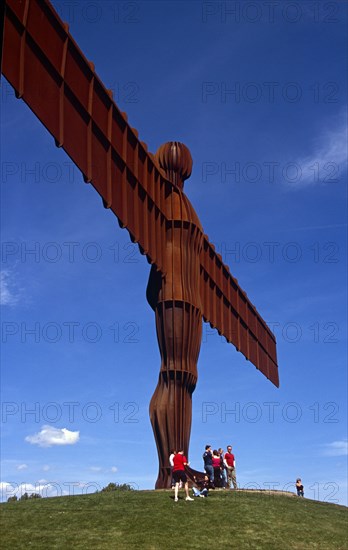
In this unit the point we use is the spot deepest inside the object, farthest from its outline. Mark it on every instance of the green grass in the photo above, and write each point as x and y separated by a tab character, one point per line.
152	520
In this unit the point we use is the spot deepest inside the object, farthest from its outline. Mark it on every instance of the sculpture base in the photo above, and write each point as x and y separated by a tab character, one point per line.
164	479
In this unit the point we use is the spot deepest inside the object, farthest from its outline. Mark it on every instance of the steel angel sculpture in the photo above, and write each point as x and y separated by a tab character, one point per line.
188	281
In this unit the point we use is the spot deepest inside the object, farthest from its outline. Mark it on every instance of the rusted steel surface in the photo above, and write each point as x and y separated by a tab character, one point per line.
176	301
188	280
228	309
48	71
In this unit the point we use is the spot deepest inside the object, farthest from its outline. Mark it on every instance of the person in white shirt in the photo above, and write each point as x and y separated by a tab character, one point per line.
171	462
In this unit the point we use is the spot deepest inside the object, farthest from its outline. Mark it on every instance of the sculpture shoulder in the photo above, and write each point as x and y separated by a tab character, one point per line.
180	208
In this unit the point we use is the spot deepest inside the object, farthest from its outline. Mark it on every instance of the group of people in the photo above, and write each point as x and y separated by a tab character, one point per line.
220	470
219	466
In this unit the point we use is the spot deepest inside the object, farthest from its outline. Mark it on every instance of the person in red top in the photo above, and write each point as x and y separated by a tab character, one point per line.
230	464
180	461
217	469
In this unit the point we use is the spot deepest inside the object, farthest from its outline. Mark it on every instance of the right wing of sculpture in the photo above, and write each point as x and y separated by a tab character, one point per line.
227	308
48	71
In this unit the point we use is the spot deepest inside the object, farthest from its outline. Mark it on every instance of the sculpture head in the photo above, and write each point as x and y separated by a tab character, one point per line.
176	161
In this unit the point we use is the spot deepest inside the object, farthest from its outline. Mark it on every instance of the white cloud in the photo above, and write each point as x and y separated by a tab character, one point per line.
114	469
337	448
46	468
49	436
328	160
9	294
22	467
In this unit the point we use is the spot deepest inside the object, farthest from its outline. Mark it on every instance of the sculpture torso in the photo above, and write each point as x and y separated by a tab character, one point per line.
184	237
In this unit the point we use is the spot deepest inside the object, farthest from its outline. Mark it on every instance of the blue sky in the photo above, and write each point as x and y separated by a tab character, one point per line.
258	95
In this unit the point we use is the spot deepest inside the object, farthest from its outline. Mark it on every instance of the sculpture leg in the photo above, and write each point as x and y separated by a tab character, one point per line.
179	332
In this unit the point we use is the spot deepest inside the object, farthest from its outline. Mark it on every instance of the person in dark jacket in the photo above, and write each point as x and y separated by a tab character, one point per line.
208	463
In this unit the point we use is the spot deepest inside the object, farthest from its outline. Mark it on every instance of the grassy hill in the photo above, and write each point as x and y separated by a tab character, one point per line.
152	520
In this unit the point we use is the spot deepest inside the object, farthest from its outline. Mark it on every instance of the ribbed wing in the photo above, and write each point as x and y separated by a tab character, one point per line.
227	308
49	72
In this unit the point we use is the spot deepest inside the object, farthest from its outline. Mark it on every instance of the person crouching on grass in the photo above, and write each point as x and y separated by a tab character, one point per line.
202	489
180	461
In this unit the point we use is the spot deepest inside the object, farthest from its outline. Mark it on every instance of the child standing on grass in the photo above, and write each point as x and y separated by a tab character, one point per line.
299	487
180	461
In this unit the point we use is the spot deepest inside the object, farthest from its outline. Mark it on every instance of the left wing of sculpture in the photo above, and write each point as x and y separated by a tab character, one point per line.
228	309
49	72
